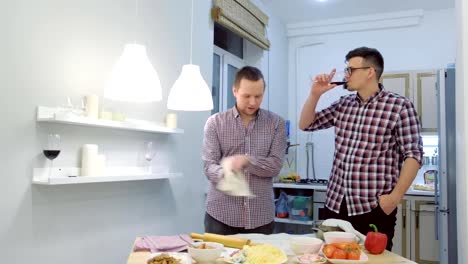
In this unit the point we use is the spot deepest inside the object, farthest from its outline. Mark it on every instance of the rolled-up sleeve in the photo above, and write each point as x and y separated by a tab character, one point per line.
408	133
270	165
211	151
324	118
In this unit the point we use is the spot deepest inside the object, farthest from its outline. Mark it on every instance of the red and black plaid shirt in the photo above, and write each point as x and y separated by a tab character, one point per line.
264	140
372	140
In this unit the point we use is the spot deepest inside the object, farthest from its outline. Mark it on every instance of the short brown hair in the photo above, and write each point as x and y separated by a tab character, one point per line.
250	73
371	56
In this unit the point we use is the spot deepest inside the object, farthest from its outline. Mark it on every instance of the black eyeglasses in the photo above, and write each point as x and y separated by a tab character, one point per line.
349	70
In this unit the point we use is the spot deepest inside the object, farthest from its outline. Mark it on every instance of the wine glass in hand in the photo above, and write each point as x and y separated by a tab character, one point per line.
339	78
52	150
322	83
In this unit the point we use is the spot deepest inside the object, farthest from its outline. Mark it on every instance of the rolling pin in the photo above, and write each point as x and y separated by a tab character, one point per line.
227	241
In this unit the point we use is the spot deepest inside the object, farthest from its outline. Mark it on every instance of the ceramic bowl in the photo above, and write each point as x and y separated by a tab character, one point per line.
210	254
303	245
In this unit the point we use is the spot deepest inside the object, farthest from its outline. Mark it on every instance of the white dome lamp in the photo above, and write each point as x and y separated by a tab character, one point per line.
190	91
133	77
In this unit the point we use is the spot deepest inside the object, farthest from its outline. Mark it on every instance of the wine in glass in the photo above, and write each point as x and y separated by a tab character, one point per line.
339	78
52	150
150	152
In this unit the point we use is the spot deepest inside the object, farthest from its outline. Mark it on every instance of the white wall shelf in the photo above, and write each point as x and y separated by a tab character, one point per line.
50	114
69	175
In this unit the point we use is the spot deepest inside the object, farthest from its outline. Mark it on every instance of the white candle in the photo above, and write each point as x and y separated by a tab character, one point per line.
171	120
101	165
92	106
89	154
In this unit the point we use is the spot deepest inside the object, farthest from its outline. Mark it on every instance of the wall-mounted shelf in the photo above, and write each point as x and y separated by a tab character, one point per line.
68	175
50	114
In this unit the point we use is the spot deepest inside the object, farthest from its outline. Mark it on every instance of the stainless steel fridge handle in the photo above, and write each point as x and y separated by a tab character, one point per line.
436	187
436	226
436	207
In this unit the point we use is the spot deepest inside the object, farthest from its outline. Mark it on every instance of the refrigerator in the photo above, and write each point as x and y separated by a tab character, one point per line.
445	184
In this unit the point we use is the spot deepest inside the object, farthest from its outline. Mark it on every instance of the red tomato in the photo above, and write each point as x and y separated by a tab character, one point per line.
339	254
354	255
341	245
355	245
328	250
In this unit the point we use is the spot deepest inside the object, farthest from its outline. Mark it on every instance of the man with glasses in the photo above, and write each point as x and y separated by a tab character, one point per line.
378	144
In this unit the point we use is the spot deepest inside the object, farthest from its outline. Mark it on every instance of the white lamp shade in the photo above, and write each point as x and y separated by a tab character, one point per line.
190	91
133	78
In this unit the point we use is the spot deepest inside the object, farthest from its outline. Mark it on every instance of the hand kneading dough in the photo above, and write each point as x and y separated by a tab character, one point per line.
233	183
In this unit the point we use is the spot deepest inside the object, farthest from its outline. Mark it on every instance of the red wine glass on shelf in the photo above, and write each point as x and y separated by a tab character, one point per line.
52	150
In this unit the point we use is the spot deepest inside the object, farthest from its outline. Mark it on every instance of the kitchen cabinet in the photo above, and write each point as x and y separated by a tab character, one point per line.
398	82
401	237
424	241
420	88
415	230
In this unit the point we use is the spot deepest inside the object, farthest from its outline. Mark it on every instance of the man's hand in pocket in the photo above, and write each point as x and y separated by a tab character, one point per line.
388	203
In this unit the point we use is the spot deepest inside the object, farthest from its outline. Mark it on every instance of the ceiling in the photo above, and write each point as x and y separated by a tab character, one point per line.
292	11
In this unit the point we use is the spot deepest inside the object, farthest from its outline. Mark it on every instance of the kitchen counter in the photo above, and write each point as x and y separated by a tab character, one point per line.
419	192
321	187
280	240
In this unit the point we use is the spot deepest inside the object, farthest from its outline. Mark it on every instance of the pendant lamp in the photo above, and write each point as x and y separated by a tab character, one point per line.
190	91
133	77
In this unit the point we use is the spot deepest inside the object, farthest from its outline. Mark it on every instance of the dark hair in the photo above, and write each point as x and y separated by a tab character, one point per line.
372	57
250	73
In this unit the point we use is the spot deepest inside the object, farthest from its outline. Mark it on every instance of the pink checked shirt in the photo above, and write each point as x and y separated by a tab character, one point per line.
264	140
372	139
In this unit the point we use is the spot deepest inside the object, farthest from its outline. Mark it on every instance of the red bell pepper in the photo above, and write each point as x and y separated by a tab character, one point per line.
375	242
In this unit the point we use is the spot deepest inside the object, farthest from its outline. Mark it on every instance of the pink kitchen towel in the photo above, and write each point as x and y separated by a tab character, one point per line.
163	243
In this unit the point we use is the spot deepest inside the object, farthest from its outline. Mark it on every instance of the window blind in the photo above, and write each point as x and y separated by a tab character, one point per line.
243	18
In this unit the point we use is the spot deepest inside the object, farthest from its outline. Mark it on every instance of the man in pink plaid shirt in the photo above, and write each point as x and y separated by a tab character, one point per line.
378	145
254	142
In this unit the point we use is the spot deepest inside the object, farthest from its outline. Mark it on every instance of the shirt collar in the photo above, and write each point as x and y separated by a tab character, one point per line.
236	114
373	97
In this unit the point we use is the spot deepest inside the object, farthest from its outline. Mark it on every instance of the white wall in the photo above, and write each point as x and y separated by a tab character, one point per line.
430	44
54	49
278	68
273	63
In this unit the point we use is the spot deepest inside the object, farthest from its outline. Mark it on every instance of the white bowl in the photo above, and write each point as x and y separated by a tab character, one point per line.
303	245
337	237
206	255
